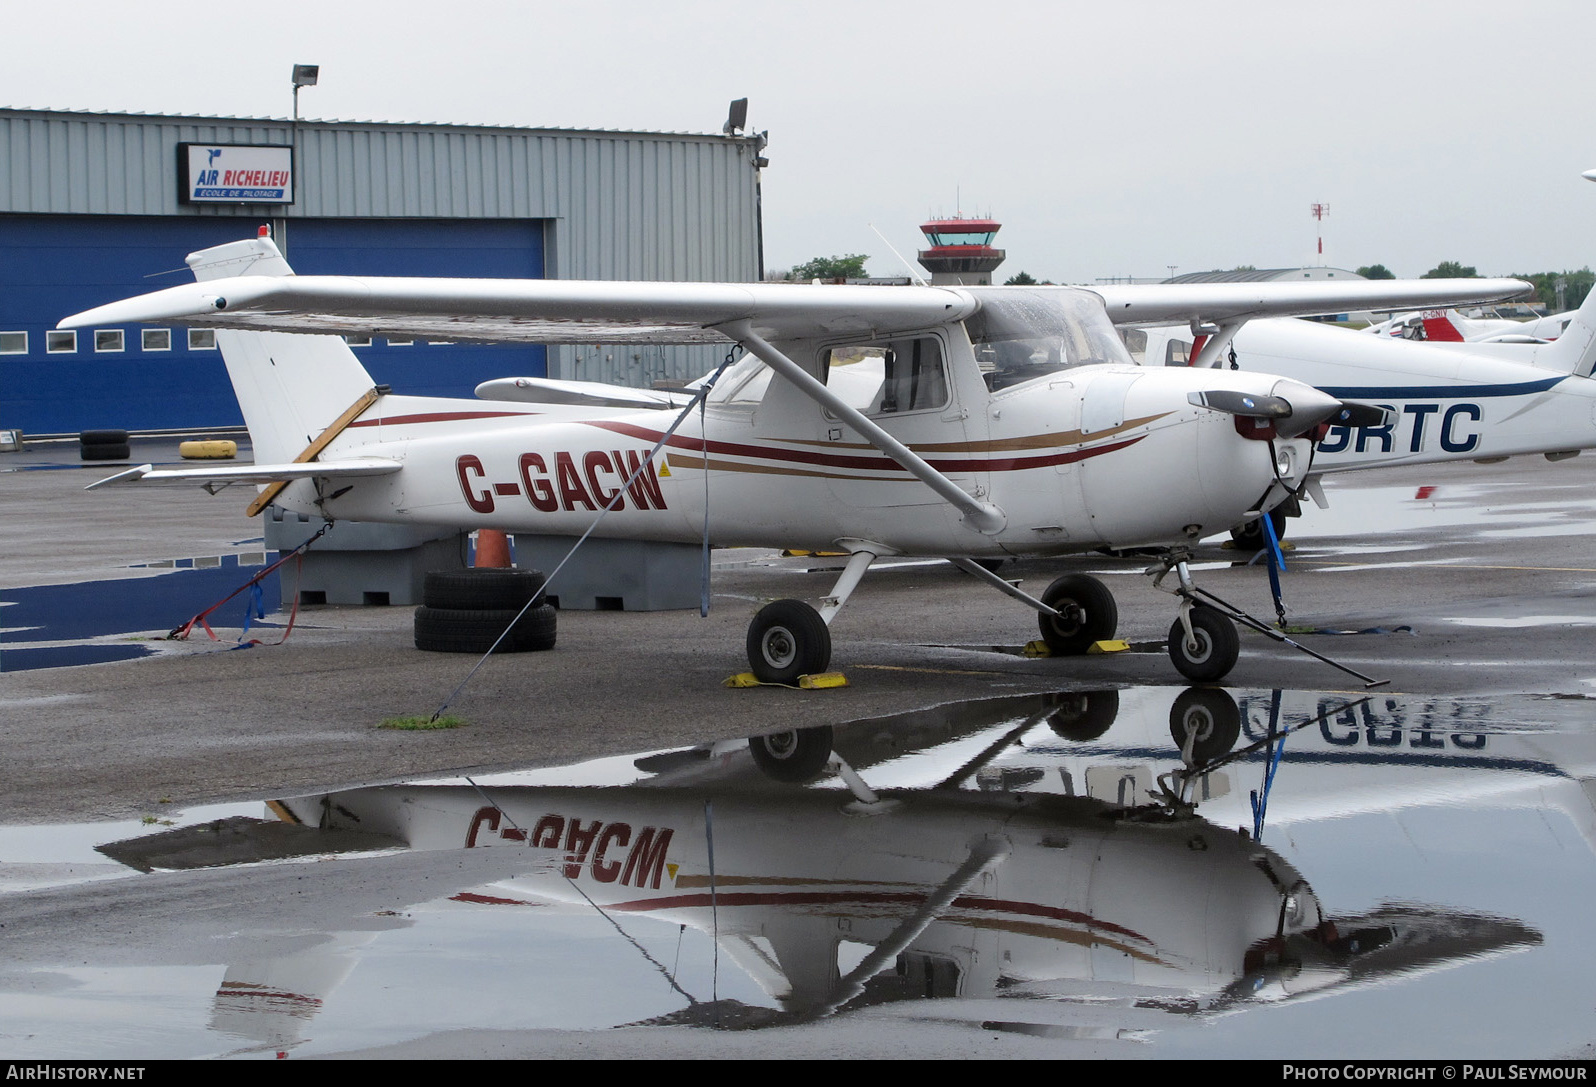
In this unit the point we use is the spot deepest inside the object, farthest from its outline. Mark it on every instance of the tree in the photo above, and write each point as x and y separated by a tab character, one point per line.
1376	271
1451	269
1245	268
1020	279
851	266
1576	285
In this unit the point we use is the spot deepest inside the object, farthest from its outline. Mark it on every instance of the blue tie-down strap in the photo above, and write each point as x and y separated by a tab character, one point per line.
254	608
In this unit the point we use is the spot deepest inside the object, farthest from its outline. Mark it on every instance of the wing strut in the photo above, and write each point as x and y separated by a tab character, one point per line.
981	516
1218	340
351	413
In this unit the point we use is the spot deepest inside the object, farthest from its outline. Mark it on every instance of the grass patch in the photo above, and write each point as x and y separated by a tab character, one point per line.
422	724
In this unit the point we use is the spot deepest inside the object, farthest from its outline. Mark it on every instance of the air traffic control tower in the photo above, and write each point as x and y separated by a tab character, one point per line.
961	251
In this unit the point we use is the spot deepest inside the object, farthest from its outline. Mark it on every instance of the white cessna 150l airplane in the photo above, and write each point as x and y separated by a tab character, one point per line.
962	423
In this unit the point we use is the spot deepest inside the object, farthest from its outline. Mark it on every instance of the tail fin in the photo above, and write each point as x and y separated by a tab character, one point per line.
290	387
1440	326
1573	352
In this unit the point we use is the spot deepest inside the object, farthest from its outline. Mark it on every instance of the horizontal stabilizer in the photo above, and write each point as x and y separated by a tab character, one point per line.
254	473
547	390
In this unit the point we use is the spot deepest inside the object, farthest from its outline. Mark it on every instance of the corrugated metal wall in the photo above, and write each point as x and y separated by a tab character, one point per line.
620	205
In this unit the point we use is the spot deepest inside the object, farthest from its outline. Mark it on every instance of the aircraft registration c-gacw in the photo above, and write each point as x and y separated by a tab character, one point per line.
959	422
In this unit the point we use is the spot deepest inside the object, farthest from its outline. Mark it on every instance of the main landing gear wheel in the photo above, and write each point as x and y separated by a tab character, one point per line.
1084	715
795	755
1212	653
1088	614
788	639
1250	536
1209	717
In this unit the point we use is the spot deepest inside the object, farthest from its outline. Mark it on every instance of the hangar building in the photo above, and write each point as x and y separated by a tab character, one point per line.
99	206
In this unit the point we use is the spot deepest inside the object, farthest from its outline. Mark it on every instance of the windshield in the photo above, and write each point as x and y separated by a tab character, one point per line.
1022	333
743	384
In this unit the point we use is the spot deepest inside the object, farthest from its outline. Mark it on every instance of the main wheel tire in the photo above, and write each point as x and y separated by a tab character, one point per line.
793	756
1209	716
1084	715
788	639
1249	536
1216	649
481	587
104	451
460	630
1090	614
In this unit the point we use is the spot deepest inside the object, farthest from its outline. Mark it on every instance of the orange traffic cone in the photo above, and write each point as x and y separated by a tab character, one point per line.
493	548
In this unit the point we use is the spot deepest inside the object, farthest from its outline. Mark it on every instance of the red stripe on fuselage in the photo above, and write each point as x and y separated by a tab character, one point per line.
878	463
865	898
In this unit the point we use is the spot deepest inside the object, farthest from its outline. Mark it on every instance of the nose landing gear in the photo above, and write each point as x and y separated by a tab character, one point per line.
1203	643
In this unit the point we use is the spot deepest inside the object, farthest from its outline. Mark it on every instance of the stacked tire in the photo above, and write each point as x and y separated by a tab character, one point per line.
104	445
466	611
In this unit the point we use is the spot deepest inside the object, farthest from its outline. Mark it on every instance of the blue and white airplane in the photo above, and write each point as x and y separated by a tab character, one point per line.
1483	402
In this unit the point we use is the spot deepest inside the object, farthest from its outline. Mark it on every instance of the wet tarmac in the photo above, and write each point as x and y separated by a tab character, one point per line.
1386	877
1410	880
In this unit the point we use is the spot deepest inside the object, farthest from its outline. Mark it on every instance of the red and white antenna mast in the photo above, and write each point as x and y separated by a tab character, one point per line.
1319	212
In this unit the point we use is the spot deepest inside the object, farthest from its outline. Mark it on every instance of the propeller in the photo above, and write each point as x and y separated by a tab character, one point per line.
1294	408
1234	403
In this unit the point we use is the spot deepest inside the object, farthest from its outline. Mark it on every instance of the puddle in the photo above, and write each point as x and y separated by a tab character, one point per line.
998	869
1356	510
1526	621
75	618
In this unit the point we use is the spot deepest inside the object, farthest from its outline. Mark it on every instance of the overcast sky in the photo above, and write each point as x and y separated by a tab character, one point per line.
1110	138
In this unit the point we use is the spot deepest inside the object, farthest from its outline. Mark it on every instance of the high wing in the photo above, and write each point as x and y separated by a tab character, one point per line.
568	311
534	311
1226	303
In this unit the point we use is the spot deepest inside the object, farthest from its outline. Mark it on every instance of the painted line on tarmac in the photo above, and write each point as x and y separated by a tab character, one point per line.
1460	563
927	671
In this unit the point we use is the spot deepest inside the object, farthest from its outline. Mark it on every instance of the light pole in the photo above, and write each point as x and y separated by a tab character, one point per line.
305	75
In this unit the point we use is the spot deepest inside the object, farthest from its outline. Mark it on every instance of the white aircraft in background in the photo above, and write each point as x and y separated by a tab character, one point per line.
1451	326
963	423
1482	402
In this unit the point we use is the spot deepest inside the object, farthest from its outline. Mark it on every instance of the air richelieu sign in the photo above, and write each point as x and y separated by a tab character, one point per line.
212	173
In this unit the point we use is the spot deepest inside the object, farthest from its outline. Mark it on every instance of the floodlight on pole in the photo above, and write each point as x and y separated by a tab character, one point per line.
736	117
305	75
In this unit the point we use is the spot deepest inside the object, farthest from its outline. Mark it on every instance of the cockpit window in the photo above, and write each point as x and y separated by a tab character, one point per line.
1020	334
889	377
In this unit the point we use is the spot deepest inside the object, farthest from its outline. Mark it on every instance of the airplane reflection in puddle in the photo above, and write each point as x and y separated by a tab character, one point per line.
1008	848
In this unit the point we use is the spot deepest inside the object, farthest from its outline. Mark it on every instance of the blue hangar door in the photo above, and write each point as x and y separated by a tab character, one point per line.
144	378
472	248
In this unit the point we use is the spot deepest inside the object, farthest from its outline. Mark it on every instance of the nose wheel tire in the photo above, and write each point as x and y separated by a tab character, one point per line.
1212	653
788	639
795	755
1088	614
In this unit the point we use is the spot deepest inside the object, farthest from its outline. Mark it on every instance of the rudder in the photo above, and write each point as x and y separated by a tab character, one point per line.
290	386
